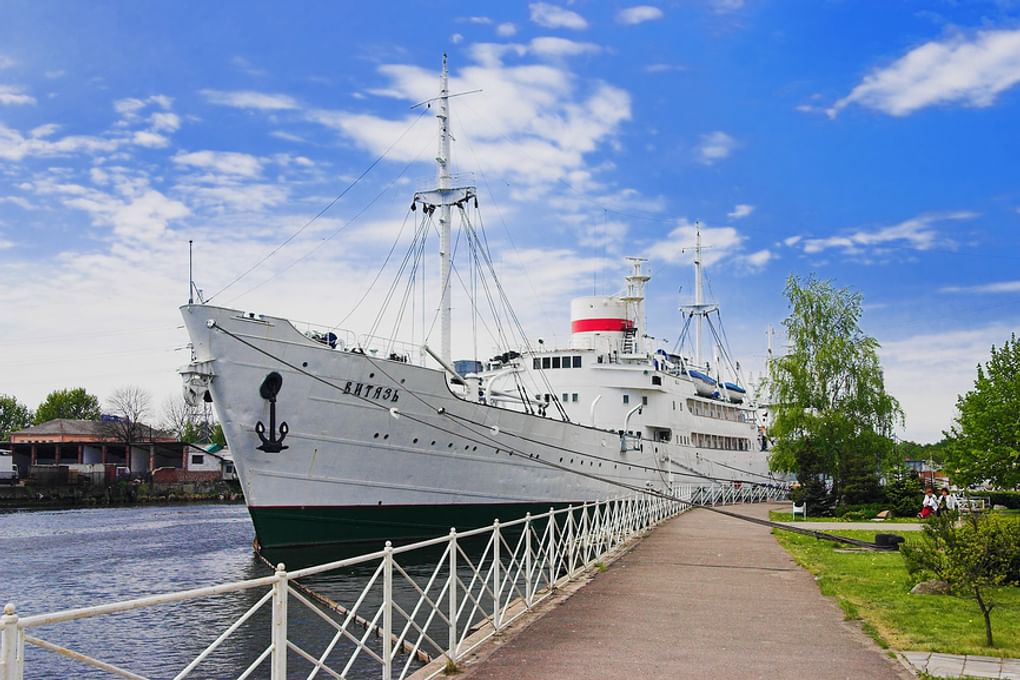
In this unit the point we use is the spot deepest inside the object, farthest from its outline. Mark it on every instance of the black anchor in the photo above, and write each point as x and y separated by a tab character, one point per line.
269	389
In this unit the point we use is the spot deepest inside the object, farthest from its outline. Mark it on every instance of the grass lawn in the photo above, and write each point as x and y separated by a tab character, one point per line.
874	587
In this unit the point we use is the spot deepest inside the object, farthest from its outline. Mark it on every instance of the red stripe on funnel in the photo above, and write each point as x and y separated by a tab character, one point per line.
590	325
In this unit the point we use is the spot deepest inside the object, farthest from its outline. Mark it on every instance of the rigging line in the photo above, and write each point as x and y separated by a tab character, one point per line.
324	210
537	459
336	231
375	280
393	285
495	203
408	294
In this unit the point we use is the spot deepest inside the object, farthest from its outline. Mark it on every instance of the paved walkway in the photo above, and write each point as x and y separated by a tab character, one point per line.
704	596
952	666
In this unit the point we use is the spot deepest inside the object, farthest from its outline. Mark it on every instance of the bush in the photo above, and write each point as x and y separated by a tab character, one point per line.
1011	499
973	557
904	494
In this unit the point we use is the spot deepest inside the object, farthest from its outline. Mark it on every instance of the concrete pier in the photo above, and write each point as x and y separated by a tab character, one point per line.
704	596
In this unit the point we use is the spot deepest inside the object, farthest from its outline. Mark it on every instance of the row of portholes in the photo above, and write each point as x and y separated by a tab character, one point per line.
592	463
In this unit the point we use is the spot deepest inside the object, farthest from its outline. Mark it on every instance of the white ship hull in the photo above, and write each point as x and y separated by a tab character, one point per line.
380	449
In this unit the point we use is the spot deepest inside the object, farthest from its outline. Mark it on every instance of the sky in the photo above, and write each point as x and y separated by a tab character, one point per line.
871	144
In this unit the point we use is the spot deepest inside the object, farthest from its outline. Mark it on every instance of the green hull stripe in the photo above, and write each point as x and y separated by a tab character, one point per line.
279	527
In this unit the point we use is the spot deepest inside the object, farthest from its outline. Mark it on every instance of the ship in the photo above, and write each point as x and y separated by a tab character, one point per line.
341	439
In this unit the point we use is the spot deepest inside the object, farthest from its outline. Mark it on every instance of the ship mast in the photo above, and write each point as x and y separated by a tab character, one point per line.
444	197
444	184
699	309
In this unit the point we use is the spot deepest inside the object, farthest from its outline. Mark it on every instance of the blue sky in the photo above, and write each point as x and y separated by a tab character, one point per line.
874	144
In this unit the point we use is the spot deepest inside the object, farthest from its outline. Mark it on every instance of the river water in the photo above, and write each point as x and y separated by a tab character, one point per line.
62	559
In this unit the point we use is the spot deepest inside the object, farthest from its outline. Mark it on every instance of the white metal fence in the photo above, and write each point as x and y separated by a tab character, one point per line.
482	581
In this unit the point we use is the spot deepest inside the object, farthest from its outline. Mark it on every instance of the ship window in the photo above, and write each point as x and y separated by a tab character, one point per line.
599	359
573	397
566	397
626	399
644	401
537	363
656	379
555	362
577	362
545	362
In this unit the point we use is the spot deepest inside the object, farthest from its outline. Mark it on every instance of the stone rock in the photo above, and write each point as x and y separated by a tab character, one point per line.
932	587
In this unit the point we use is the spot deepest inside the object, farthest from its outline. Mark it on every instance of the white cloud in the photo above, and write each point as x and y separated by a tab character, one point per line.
638	14
926	371
918	233
715	146
141	218
6	62
664	68
678	246
13	96
506	29
740	211
725	6
152	140
456	38
247	99
998	287
228	162
972	72
6	245
551	16
531	121
164	121
561	47
792	240
18	201
14	146
757	259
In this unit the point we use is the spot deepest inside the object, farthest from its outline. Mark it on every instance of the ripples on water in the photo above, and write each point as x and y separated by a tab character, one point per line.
57	560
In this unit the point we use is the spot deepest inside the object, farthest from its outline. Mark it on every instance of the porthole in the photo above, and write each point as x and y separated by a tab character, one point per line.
371	375
414	441
433	442
467	446
386	436
375	436
304	364
474	448
561	459
402	380
450	445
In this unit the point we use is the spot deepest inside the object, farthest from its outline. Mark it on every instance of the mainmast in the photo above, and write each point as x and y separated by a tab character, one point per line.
444	184
444	197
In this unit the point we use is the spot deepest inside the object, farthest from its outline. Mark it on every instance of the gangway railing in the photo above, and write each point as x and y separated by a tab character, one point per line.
482	581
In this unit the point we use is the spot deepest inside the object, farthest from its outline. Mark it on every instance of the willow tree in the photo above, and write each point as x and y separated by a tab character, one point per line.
832	419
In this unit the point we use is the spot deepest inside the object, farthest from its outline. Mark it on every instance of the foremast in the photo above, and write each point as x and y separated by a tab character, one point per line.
444	197
699	309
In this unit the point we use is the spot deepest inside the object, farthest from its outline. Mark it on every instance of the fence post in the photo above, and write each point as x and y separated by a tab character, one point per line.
387	617
452	596
528	586
584	534
279	656
570	542
12	653
497	595
552	549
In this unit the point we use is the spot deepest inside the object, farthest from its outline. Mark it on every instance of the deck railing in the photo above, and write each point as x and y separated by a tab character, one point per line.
482	582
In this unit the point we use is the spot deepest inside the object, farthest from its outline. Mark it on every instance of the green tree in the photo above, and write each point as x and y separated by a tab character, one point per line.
217	435
73	404
973	557
831	416
984	441
14	416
